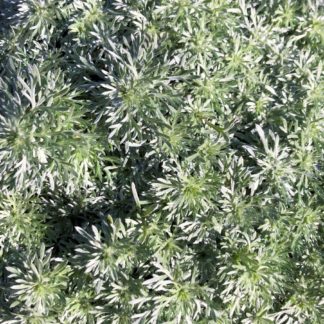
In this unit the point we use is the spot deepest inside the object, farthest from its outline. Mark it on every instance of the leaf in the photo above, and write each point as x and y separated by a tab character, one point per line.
262	137
135	195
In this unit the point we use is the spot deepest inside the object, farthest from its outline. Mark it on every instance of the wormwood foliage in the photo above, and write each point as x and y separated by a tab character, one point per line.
161	161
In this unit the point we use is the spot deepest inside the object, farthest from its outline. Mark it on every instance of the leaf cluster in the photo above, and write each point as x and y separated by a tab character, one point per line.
161	161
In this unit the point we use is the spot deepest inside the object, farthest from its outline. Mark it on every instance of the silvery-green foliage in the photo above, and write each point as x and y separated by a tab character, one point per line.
161	161
38	283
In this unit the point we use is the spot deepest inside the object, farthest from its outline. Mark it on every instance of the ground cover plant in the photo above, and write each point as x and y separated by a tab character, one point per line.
161	161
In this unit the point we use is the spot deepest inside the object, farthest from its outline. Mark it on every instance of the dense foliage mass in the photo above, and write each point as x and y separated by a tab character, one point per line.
161	161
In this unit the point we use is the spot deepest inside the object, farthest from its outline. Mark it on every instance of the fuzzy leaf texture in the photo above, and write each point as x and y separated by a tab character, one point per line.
161	161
